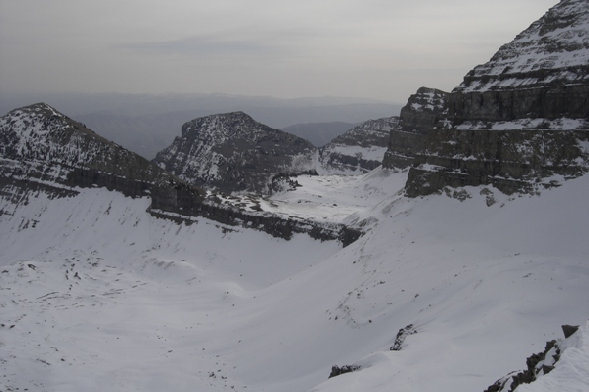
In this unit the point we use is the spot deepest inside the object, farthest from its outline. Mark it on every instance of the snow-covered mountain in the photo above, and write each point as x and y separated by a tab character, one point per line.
359	149
519	122
41	146
117	275
538	80
554	50
232	152
44	151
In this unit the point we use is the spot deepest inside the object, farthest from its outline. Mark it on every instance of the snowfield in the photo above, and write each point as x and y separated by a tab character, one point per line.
96	294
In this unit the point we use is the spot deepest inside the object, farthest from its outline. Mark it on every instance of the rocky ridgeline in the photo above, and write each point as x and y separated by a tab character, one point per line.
41	150
359	149
539	364
232	152
519	122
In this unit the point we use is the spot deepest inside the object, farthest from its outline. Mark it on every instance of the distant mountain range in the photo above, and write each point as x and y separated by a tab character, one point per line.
145	124
319	133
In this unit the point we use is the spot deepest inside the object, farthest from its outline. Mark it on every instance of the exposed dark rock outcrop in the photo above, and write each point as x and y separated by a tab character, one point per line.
401	336
232	152
536	365
284	182
519	122
339	370
41	150
569	330
359	149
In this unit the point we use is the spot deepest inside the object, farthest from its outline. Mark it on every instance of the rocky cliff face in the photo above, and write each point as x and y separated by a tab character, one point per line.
542	73
232	152
43	151
360	149
425	111
519	122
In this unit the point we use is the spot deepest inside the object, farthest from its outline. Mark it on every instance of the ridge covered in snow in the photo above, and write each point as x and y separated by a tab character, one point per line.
38	141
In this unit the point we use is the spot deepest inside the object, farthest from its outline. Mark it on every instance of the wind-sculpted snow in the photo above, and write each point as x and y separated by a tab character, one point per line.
232	152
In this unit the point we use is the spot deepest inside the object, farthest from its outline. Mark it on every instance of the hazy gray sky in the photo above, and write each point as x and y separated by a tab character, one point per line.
382	49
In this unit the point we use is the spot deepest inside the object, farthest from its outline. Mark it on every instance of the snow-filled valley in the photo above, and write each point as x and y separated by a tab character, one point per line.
97	294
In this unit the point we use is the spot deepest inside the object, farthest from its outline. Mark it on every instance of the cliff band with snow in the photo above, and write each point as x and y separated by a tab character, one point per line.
519	122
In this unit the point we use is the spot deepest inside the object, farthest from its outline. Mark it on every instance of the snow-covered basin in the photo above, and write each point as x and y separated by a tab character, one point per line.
335	198
114	298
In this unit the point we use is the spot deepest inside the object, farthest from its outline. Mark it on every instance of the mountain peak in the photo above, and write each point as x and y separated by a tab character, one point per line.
233	152
554	50
40	108
222	124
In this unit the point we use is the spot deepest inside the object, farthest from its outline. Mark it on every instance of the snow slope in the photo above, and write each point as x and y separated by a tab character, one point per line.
96	292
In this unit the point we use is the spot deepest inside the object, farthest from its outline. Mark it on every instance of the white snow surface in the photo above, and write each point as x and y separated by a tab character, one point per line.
97	294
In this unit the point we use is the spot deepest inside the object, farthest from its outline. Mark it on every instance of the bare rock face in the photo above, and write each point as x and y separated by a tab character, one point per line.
514	121
542	73
511	160
360	149
424	112
339	370
232	152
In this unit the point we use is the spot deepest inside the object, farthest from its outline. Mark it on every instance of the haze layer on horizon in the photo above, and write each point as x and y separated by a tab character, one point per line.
371	48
